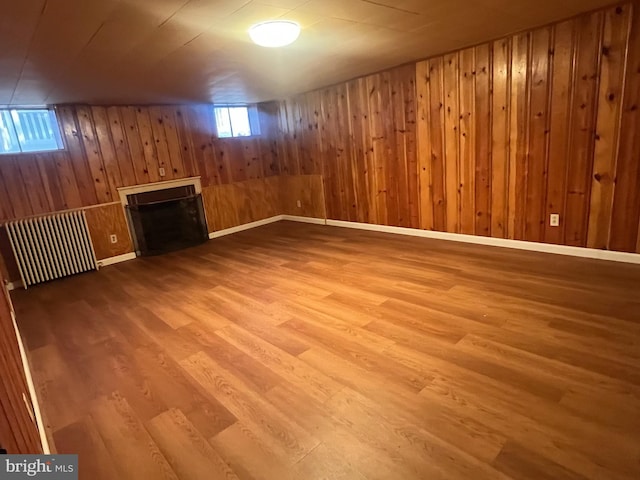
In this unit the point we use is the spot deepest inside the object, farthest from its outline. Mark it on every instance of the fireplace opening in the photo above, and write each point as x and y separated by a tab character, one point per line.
166	220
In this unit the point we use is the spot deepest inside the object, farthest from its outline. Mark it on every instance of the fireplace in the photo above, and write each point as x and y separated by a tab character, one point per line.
166	219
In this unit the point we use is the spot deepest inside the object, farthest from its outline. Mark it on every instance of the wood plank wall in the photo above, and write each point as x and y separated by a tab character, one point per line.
489	140
18	431
110	147
238	203
104	221
235	204
361	136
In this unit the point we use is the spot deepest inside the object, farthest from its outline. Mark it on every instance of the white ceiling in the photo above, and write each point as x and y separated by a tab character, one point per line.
178	51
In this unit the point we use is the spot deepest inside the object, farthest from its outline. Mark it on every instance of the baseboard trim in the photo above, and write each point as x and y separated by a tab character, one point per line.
295	218
496	242
117	259
246	226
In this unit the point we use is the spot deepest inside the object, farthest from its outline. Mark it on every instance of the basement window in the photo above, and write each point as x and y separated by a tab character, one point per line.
236	120
29	130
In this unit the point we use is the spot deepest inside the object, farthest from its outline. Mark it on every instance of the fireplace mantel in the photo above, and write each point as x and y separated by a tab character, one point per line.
150	187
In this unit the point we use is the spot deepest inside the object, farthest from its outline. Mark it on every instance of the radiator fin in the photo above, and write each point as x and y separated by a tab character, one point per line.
52	246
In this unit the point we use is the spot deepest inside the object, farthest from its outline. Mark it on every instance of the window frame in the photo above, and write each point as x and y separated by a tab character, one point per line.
253	119
58	137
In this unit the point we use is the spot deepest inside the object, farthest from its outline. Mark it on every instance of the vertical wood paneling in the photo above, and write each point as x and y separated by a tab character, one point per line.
344	157
93	155
377	114
538	136
367	146
436	156
406	81
361	136
185	143
121	147
467	159
505	134
560	119
518	136
106	148
359	150
583	113
483	159
75	151
390	145
202	152
148	144
37	192
51	181
160	141
268	140
136	152
614	43
500	76
15	187
425	143
452	144
626	200
173	141
104	221
399	150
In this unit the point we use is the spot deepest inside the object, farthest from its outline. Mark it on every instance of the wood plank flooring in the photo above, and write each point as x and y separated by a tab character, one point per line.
297	351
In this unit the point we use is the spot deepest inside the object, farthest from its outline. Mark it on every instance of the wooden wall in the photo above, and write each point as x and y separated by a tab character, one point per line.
103	221
238	203
235	204
18	431
308	190
110	147
488	140
361	136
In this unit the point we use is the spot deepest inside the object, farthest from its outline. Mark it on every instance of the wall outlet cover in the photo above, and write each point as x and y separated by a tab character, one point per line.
114	238
554	220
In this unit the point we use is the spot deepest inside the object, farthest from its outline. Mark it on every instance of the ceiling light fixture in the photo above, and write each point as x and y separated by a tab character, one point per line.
275	33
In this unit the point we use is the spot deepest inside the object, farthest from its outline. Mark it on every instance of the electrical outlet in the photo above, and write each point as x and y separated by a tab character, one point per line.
162	172
114	238
554	220
299	204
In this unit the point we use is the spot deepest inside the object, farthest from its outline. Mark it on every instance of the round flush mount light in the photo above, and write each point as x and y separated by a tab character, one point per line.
275	33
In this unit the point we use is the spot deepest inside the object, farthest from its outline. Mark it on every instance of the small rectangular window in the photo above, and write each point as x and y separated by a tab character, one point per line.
29	130
237	121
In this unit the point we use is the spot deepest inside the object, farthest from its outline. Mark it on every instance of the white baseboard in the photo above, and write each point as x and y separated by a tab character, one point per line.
116	259
496	242
246	226
295	218
623	257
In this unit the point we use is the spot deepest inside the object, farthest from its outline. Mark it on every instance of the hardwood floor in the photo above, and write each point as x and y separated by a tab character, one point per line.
297	351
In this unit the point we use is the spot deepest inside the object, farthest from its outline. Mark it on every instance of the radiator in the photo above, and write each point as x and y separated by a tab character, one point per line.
51	246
